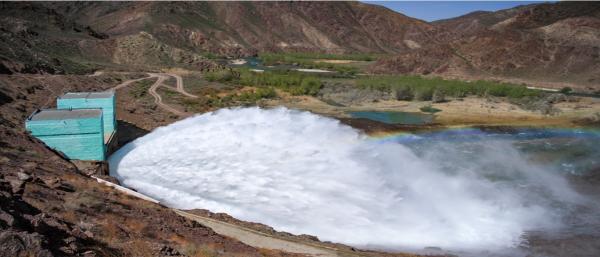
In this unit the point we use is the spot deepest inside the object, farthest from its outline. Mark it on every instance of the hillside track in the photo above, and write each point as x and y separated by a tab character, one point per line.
160	79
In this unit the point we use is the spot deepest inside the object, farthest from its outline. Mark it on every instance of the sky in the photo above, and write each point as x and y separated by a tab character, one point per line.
431	11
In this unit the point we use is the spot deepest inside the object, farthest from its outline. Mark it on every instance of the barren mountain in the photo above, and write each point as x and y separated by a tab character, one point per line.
36	38
239	27
545	42
78	37
553	42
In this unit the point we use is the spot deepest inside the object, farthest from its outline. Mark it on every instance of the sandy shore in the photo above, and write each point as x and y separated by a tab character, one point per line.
469	111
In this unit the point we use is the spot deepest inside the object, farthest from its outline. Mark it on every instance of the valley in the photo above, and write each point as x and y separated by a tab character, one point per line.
305	129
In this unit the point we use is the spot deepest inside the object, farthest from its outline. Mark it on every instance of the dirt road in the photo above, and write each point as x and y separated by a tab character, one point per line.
180	87
161	78
129	82
259	239
158	99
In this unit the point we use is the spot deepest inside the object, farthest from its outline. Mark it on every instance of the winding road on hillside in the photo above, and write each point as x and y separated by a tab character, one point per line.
157	98
180	87
160	79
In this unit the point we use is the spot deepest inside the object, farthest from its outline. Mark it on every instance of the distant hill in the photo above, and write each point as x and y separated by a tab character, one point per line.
549	42
170	33
557	42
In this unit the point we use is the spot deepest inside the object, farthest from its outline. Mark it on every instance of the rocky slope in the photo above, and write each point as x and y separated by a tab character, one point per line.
40	38
551	42
78	37
547	42
49	208
244	27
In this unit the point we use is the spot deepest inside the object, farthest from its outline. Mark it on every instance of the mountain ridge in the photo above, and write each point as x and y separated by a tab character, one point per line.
548	41
542	42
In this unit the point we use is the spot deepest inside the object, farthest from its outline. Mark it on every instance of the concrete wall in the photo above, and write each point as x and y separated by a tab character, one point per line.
107	105
79	139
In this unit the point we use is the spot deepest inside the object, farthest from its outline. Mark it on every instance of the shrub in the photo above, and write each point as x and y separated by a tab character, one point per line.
403	93
566	90
438	96
429	109
141	88
220	76
252	96
266	92
310	86
424	88
293	82
423	94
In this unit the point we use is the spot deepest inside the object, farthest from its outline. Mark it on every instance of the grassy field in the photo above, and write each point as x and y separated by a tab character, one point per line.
403	87
296	83
425	89
308	60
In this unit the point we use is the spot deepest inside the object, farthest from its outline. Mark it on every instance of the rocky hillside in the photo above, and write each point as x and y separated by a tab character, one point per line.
40	38
48	207
548	42
244	27
556	42
73	37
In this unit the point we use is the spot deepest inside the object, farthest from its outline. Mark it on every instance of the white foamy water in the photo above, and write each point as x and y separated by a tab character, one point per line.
304	173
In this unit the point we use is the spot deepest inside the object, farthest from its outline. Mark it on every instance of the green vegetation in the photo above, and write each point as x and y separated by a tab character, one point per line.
168	92
213	100
140	88
566	90
429	109
307	60
425	89
254	96
222	76
293	82
296	83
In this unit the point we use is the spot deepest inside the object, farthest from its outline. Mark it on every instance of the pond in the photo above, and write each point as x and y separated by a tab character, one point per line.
256	64
392	117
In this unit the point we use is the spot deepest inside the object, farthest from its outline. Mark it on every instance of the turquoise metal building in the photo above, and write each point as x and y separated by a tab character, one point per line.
78	133
85	100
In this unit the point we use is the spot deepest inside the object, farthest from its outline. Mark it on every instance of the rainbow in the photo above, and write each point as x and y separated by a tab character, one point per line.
476	133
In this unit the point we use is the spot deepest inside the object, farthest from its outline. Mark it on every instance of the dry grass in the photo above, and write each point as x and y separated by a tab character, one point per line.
139	248
194	250
135	225
112	230
70	216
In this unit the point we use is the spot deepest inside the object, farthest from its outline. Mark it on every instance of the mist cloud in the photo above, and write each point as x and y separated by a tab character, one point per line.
307	174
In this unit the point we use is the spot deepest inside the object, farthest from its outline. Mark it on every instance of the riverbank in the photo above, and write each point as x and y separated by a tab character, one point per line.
468	111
